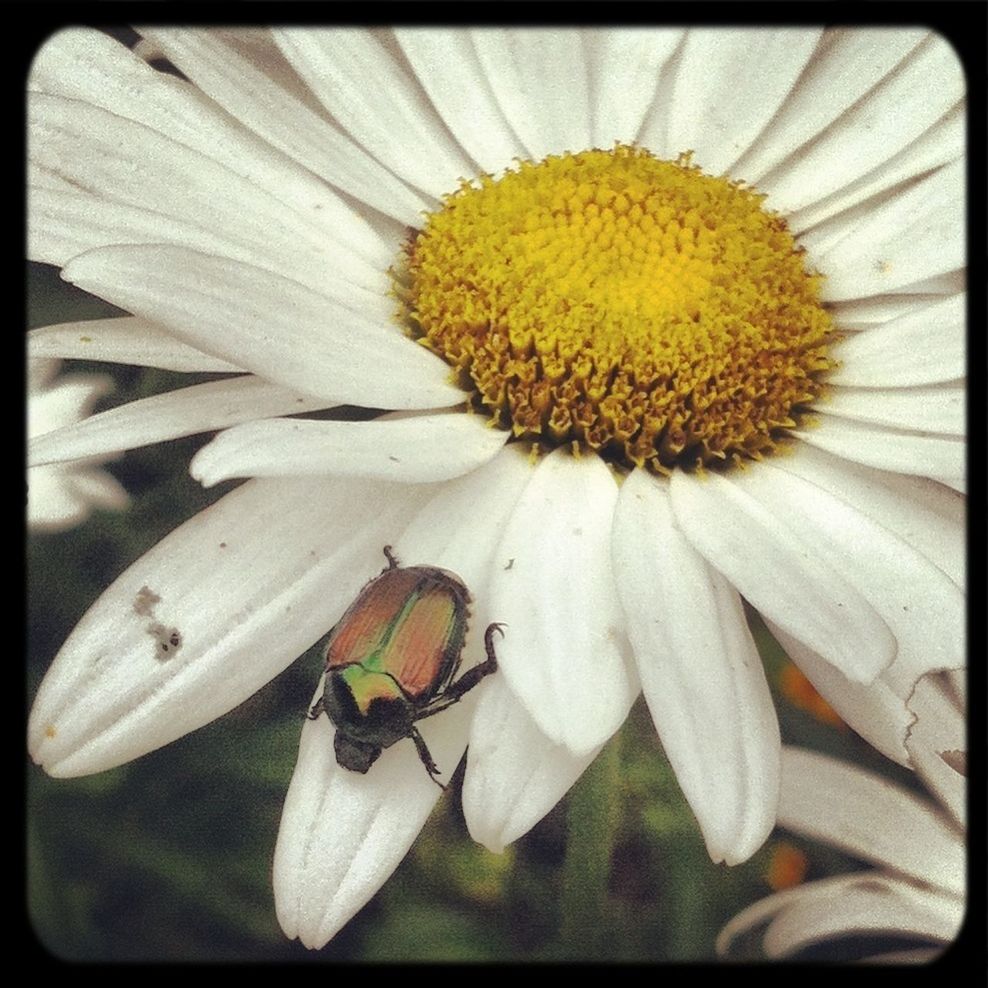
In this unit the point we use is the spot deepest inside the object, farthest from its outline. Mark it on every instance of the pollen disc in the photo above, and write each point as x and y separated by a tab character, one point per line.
634	307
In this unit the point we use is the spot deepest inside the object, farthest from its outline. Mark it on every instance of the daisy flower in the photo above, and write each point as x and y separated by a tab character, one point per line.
62	495
662	319
917	893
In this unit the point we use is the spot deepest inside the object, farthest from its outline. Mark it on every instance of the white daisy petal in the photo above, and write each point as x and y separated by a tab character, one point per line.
760	912
460	528
59	498
926	346
870	905
539	79
876	711
515	774
936	408
372	97
63	224
944	142
906	238
417	449
328	862
937	741
721	101
921	844
446	64
920	604
68	399
847	905
867	134
86	65
261	101
847	64
342	834
870	313
701	674
781	575
921	512
90	147
273	327
52	504
236	593
624	68
184	412
124	340
556	594
914	453
99	489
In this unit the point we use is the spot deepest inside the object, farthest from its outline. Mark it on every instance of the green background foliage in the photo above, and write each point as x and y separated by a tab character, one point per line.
169	857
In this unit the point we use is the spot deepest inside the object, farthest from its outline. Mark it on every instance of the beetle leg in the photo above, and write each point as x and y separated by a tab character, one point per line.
392	559
455	691
425	755
317	708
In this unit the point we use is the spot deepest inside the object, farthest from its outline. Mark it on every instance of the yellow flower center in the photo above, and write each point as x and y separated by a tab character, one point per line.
631	306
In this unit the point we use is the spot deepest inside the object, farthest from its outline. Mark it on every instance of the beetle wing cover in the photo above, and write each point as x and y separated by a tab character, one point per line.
428	641
409	623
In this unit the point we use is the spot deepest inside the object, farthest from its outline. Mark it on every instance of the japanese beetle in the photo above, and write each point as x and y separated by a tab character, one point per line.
391	659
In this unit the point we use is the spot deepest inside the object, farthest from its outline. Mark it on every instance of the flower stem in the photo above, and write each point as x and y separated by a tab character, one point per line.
592	817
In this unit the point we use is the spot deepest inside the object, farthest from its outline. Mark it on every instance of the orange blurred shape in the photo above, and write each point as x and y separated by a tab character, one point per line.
799	691
786	868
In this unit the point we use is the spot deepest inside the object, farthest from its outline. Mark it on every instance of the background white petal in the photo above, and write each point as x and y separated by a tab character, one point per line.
780	574
183	412
244	588
515	774
921	844
60	497
414	449
869	905
937	739
700	672
552	585
272	326
876	711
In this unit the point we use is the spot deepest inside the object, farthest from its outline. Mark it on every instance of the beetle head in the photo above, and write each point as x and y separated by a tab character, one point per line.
357	756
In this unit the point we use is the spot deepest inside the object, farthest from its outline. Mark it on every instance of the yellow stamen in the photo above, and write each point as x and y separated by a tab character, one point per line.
632	306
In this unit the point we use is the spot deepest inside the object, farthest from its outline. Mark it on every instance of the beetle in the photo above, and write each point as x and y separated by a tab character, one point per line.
391	659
